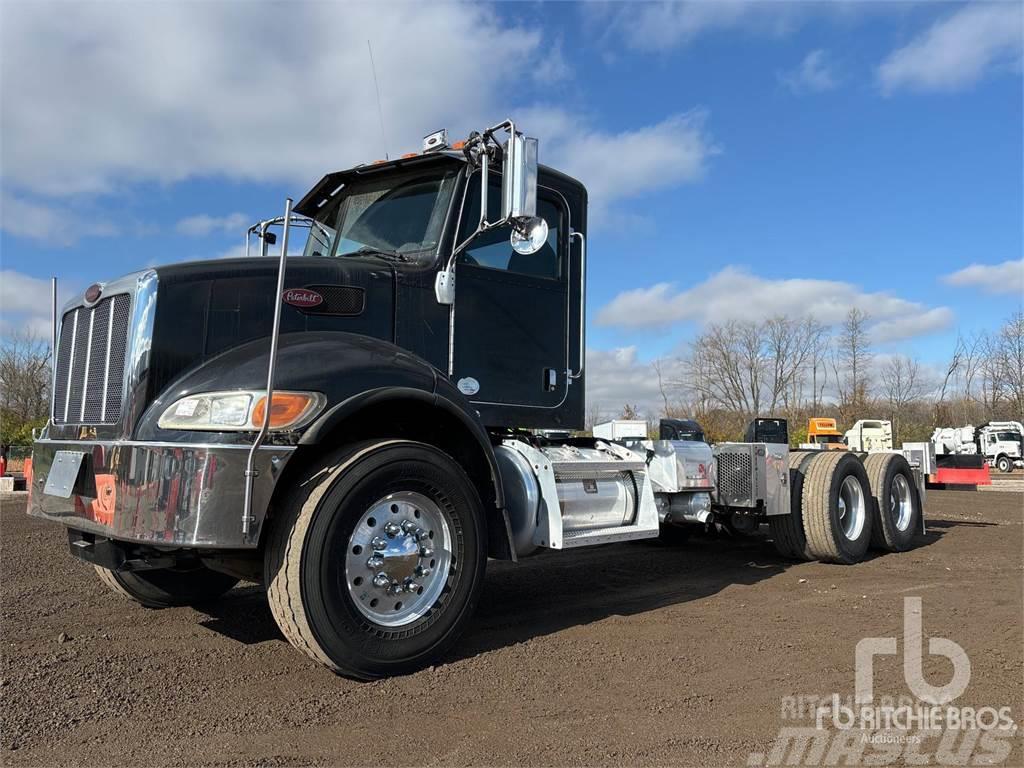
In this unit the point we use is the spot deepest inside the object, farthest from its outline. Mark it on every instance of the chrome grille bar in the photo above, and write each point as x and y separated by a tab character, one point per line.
88	358
71	365
106	365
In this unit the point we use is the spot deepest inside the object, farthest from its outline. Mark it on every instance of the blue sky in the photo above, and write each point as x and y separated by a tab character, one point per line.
744	158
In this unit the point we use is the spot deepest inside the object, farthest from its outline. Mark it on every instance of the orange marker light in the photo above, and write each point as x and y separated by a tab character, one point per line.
288	408
458	145
407	155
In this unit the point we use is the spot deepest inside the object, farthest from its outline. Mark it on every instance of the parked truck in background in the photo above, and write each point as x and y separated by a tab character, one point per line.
823	433
1001	443
869	436
355	428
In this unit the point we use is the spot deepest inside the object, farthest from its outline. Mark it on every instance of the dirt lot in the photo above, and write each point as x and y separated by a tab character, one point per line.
636	654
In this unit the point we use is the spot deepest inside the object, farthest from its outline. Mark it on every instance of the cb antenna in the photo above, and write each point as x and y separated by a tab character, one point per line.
380	110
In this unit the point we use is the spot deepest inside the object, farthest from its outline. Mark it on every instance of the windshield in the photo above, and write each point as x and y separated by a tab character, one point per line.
399	216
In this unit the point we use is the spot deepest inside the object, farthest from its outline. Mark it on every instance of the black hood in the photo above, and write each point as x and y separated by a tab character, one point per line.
206	307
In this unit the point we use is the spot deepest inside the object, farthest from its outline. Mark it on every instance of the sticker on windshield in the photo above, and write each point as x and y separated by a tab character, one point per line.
468	386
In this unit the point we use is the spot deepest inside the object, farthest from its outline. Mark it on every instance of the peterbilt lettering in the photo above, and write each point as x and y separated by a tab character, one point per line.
301	297
361	427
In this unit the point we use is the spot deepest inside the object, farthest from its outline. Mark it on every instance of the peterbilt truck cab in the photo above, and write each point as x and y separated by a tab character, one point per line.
356	427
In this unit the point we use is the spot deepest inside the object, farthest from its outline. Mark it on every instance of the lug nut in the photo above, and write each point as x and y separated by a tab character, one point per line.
379	543
408	526
411	586
381	580
426	552
395	589
421	534
422	571
375	563
392	529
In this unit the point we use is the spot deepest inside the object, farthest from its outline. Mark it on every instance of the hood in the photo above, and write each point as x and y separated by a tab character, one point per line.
206	307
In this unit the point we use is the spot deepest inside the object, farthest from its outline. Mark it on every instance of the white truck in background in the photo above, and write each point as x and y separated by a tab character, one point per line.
870	435
1000	442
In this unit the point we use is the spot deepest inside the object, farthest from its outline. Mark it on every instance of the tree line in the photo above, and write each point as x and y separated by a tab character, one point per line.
797	368
789	367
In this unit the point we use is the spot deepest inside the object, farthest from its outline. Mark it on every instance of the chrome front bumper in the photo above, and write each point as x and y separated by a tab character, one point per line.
163	494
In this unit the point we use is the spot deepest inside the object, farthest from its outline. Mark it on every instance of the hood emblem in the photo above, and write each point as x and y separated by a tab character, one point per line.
93	293
302	298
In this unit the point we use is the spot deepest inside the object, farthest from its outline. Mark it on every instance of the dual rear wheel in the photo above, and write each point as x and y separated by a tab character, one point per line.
841	506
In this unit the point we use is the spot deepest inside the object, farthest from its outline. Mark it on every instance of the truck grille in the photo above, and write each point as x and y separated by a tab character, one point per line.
89	380
735	478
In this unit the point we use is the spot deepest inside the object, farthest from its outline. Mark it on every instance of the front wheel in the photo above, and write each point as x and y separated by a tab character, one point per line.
1003	464
376	561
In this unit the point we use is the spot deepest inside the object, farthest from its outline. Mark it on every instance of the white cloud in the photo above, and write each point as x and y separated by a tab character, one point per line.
99	94
957	50
1007	277
669	153
659	26
735	294
49	224
616	377
202	224
25	303
813	75
98	97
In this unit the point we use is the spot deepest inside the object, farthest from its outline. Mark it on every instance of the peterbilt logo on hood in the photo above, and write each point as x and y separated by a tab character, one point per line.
302	297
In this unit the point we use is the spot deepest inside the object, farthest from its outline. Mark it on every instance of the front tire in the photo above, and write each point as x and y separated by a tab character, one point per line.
376	561
1003	464
167	587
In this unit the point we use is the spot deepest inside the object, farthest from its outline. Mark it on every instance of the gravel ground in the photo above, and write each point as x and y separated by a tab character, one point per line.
623	654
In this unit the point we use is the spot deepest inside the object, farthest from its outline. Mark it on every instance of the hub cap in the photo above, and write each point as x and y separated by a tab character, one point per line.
399	559
852	508
901	504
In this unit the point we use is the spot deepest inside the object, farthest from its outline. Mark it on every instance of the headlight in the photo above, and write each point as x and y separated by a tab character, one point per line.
241	411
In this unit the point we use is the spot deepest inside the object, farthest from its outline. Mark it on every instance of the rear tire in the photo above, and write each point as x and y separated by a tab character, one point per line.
394	500
788	530
896	503
836	508
167	587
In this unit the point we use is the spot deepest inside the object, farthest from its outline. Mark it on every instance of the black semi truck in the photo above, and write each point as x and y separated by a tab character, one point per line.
355	427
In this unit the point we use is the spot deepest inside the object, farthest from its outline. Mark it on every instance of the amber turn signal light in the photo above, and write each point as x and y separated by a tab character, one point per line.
286	409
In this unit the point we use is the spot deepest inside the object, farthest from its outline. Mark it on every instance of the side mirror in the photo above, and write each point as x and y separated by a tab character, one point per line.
519	178
528	235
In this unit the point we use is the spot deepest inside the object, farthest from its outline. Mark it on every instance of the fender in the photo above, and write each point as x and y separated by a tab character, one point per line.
353	372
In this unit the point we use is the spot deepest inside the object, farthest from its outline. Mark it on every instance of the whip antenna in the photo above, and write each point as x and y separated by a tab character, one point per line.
380	110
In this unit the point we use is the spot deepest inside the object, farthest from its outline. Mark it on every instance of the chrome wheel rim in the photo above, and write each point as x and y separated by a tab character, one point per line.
399	558
852	508
901	503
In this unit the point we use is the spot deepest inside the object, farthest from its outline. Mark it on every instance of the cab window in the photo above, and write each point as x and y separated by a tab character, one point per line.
492	248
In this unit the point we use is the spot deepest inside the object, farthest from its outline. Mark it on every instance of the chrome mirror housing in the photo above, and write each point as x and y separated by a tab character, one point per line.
519	178
529	234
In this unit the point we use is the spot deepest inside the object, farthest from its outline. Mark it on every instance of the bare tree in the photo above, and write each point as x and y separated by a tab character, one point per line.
24	385
790	346
630	412
851	358
1007	363
727	365
902	384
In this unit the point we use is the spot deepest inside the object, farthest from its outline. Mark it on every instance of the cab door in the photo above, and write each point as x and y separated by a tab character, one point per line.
511	314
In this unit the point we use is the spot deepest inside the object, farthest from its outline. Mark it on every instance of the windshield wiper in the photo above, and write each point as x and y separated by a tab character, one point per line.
367	250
